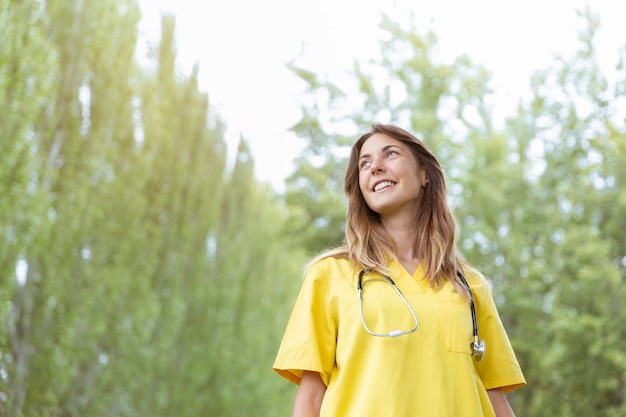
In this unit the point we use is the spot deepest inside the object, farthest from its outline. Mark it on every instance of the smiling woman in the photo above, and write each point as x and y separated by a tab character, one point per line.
411	346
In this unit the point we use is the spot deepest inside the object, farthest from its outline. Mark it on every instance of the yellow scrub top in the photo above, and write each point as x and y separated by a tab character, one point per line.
427	373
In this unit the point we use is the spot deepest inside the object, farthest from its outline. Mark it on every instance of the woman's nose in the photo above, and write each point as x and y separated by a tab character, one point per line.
376	166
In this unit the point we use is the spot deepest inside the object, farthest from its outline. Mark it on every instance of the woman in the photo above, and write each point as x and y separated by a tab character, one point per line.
355	345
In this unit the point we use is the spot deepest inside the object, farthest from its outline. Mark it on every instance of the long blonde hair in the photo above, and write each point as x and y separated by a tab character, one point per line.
368	244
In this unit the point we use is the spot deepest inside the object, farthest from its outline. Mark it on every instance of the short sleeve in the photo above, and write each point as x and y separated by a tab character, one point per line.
500	367
309	341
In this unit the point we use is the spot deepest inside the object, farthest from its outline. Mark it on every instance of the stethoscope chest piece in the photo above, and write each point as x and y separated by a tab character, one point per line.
478	349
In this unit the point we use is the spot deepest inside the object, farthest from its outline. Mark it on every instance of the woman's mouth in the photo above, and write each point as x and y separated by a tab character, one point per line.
382	185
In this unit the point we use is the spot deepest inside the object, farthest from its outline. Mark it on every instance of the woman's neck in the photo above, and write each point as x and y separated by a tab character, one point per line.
402	232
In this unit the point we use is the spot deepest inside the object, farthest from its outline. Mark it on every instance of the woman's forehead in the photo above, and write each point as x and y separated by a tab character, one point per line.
378	142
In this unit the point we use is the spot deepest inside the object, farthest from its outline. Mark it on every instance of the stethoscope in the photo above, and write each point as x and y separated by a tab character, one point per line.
478	345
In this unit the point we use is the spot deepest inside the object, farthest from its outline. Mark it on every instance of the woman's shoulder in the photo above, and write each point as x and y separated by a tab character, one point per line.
331	266
476	279
331	261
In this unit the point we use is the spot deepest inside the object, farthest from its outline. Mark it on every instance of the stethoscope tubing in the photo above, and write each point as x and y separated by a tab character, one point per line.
393	333
478	346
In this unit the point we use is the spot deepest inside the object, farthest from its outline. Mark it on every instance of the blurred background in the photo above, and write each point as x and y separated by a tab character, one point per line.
154	231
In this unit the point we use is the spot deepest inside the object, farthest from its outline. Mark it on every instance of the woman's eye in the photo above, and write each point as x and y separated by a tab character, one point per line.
391	153
365	164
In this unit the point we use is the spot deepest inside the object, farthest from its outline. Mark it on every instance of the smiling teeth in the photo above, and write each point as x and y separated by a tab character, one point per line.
382	185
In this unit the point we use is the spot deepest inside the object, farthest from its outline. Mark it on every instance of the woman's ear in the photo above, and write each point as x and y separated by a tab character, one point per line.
424	179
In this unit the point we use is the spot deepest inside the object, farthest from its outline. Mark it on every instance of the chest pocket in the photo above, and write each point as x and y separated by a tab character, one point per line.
455	323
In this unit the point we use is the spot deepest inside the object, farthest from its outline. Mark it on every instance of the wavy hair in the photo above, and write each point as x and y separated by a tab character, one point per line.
368	244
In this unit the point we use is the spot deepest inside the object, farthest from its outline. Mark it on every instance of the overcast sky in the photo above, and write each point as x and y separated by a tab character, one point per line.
242	47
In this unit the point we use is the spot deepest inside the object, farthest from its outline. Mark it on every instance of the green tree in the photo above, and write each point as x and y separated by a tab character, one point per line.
254	284
572	263
185	161
37	369
26	61
110	219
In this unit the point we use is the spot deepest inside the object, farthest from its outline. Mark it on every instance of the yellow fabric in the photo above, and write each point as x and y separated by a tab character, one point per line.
426	373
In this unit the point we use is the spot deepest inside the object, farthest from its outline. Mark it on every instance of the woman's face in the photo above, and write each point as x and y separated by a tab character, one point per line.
390	177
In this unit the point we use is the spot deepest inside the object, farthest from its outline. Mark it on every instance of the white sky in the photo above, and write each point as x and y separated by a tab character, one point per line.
242	47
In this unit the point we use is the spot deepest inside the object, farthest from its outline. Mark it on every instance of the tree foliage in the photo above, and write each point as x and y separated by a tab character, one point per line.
138	272
573	261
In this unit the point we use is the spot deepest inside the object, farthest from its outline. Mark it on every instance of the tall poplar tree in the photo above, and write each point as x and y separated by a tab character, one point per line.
26	79
113	200
254	283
